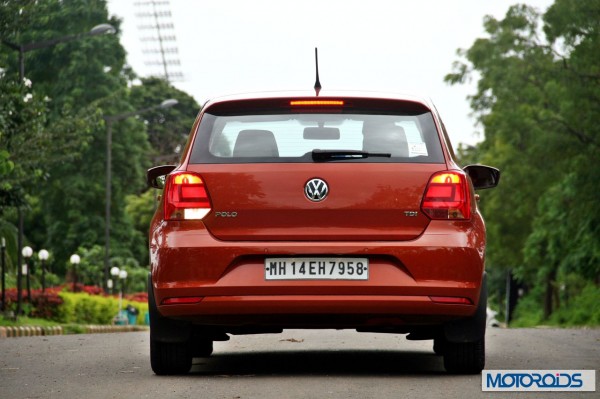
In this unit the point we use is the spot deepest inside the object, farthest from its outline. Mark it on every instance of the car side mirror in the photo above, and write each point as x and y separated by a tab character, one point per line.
483	176
156	176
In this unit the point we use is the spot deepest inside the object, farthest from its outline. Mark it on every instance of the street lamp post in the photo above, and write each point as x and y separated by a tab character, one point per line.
114	271
27	252
109	285
19	262
22	49
75	259
122	275
2	259
43	255
110	119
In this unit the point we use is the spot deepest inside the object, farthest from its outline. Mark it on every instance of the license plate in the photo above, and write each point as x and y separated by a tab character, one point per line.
316	269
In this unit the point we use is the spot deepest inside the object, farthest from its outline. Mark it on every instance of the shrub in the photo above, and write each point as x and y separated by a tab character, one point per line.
42	305
581	310
138	297
91	289
528	312
87	309
45	305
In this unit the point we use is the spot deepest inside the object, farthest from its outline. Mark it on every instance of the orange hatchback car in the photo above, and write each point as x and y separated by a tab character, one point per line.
338	211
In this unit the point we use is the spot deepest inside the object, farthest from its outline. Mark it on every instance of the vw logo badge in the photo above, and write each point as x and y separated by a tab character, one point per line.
316	190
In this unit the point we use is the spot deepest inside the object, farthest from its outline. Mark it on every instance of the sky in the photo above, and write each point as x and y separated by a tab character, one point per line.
397	46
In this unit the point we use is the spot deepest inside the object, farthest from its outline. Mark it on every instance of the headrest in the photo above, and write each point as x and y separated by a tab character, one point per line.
255	143
385	138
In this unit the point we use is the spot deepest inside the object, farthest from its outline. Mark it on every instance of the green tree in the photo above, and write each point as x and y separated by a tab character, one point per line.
168	128
23	140
82	81
538	101
53	131
140	209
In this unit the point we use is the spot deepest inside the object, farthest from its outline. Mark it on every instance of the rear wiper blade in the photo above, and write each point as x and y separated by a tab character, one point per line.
325	155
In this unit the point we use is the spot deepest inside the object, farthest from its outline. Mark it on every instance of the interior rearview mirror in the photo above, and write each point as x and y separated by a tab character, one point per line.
483	176
156	176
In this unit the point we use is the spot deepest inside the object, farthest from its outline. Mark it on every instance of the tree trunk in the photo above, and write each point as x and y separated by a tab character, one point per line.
549	294
512	296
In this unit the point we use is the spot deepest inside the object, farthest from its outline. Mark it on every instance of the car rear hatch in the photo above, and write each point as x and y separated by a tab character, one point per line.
268	201
353	171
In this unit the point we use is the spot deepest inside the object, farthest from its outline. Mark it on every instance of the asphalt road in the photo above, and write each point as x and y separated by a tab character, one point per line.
295	364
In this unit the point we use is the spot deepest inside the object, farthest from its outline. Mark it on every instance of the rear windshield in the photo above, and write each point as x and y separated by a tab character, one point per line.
317	137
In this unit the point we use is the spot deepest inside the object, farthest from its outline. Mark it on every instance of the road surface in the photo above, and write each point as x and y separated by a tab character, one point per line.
295	364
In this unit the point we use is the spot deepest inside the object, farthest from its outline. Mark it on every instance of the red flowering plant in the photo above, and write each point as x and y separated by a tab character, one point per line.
138	297
90	289
41	304
45	304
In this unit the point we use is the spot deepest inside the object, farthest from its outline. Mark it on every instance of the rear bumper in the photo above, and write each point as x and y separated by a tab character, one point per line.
225	281
316	311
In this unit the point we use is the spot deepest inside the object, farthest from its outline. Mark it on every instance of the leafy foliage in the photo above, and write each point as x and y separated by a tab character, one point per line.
53	130
22	120
168	128
538	99
46	305
86	309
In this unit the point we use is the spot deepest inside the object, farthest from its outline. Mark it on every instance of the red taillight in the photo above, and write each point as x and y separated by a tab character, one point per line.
447	197
186	197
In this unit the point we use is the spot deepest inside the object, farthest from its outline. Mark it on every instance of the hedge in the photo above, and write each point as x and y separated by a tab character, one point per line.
83	308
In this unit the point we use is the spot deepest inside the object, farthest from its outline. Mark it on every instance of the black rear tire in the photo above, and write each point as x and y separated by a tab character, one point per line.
170	353
170	358
464	357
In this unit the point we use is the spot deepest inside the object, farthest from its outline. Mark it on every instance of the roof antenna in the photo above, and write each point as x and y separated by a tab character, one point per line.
317	83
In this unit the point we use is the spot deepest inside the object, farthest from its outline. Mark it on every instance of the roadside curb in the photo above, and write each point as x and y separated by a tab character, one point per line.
29	331
33	331
96	329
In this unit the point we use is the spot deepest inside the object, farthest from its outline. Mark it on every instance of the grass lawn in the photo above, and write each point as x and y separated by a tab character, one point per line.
67	328
27	321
